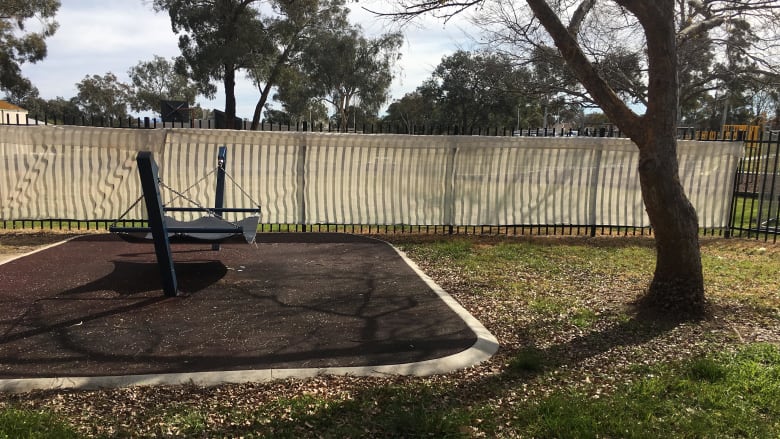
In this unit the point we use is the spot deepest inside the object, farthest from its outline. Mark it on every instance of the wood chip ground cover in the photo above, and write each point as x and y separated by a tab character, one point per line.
562	309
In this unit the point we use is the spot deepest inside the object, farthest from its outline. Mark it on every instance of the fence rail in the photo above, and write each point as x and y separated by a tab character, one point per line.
304	126
604	130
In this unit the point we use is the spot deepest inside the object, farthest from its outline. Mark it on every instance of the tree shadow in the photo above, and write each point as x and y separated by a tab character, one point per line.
443	407
130	278
130	286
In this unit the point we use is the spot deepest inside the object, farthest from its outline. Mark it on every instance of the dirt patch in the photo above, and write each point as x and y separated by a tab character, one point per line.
14	243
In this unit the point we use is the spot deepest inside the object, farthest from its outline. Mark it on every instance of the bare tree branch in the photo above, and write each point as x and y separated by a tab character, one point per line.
601	92
579	16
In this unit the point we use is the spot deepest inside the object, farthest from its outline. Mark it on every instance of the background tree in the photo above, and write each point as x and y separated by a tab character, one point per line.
362	70
478	90
53	110
17	44
695	55
298	100
414	109
217	38
27	98
64	109
550	80
295	24
596	119
278	117
103	96
157	80
618	63
763	98
473	90
360	118
725	61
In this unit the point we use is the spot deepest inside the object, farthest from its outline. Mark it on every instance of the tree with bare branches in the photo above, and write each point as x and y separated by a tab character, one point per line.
584	32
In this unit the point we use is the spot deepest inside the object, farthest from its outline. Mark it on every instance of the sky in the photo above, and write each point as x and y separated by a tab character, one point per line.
100	36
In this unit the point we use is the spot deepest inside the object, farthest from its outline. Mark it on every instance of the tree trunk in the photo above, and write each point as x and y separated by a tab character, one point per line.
678	284
259	107
230	96
344	104
267	89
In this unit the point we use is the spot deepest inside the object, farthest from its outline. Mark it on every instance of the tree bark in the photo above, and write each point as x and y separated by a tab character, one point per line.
230	96
259	106
678	283
277	69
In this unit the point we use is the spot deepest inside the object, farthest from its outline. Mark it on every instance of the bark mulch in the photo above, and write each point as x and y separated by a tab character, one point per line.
93	306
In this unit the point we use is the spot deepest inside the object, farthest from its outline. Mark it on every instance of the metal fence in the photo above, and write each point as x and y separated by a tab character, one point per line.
755	204
373	127
756	201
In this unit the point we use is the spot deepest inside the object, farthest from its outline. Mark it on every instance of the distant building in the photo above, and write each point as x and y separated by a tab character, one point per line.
12	114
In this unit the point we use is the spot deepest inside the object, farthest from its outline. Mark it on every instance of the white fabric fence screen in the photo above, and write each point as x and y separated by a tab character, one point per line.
84	173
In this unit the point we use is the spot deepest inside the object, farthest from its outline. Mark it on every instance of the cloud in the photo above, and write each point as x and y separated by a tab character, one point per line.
99	37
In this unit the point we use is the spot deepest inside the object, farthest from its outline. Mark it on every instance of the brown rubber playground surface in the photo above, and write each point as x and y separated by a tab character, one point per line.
93	306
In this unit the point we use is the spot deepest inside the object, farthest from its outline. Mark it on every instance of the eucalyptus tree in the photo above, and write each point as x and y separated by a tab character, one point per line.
157	80
299	101
217	38
63	109
479	89
414	109
18	44
582	32
343	66
289	28
103	96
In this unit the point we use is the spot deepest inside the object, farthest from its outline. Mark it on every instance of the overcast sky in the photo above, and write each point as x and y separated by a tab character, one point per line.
100	36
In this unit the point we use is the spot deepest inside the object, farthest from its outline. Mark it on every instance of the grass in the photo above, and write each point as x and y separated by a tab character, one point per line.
576	360
745	212
22	424
721	395
726	395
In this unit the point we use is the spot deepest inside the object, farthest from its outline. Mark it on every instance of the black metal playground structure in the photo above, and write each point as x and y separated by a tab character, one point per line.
162	229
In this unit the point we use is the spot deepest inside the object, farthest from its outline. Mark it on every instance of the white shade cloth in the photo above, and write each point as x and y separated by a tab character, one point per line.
83	173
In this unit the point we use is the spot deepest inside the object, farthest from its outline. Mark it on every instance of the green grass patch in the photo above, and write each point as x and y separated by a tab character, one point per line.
584	318
746	208
547	306
185	420
392	411
452	250
23	424
723	395
545	273
529	360
745	271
